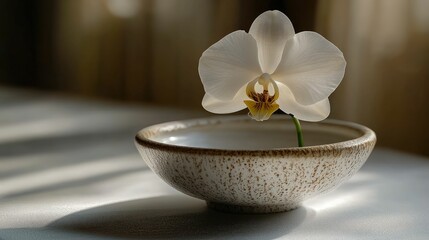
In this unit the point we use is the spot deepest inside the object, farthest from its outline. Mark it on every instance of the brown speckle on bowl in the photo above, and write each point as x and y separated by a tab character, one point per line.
255	181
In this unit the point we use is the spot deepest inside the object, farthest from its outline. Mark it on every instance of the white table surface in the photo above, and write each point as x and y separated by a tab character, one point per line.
69	170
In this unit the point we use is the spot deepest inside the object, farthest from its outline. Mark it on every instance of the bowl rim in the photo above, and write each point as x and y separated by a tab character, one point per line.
368	137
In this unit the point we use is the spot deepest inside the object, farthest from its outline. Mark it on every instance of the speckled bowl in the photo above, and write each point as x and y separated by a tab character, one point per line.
239	165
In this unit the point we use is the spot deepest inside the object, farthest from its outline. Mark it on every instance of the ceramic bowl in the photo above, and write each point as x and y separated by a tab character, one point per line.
237	164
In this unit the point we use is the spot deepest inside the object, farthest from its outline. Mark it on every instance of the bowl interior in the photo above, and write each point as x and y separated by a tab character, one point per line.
247	134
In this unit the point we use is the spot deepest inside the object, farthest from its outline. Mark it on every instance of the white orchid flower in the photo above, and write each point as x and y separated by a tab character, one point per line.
269	68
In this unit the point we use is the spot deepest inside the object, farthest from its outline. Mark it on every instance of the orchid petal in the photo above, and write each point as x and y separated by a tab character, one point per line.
214	105
271	30
311	67
312	113
229	64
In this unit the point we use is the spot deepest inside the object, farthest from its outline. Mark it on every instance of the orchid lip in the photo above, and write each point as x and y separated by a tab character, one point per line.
262	105
264	80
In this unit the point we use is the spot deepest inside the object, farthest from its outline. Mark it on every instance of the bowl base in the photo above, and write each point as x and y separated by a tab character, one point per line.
250	209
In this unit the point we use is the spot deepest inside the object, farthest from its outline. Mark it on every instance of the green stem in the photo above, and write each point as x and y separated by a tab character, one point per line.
298	130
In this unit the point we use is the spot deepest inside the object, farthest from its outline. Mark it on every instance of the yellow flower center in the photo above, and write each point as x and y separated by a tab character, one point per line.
262	105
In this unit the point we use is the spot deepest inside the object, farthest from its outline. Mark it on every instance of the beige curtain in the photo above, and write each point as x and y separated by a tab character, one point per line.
386	44
144	50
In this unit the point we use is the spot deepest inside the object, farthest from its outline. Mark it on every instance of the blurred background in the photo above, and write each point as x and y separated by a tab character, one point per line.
147	51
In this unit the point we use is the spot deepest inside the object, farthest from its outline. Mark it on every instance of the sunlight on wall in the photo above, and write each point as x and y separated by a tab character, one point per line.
124	8
386	87
390	32
91	13
421	16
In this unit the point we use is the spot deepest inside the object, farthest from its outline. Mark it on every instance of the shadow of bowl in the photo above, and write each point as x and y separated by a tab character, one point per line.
177	216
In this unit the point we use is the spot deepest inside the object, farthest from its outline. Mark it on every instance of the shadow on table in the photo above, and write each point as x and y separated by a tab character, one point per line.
177	216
